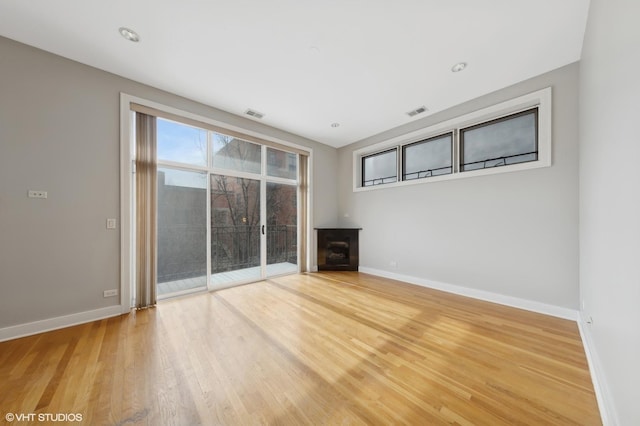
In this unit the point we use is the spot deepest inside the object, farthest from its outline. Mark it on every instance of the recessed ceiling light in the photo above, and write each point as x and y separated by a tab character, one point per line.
129	34
459	67
335	124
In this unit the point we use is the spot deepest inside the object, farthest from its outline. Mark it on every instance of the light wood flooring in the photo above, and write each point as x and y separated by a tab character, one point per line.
325	348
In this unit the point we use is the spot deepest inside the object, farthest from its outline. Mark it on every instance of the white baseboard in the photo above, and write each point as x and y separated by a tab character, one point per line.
22	330
605	404
515	302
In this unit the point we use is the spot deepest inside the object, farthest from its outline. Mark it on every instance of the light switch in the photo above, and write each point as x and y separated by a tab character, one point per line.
111	224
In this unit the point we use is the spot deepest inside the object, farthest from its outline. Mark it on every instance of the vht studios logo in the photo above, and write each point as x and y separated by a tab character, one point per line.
43	417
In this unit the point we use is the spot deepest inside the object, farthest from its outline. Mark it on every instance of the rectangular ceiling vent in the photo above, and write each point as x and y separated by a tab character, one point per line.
417	111
254	113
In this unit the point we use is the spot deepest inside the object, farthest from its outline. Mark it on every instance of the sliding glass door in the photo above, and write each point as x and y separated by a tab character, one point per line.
235	230
282	229
228	210
281	212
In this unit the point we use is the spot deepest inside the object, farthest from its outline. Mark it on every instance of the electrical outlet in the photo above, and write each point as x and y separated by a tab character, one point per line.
37	194
110	293
393	264
111	224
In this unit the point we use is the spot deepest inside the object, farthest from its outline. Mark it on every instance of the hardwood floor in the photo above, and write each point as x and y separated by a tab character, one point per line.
323	348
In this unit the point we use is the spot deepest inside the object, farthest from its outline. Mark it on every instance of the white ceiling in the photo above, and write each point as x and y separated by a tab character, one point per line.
306	64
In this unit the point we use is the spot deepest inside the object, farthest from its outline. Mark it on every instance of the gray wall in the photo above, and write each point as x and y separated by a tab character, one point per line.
514	234
610	198
59	132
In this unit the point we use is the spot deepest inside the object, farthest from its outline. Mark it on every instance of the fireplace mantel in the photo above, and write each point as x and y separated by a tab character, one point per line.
338	249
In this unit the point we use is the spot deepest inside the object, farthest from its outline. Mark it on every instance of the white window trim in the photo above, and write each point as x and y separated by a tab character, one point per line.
540	99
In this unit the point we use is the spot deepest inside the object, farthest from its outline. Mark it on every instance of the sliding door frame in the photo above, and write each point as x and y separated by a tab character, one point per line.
128	103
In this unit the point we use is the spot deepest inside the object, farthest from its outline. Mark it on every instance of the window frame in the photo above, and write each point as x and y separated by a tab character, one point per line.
462	164
403	149
375	154
541	99
129	105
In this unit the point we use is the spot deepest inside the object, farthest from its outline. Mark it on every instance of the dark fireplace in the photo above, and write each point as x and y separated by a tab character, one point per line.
338	249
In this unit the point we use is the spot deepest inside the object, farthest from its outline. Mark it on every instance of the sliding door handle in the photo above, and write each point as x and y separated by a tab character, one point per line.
262	229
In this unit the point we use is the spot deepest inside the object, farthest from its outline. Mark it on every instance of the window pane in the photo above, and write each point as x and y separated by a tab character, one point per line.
235	229
182	230
379	168
181	143
282	228
235	154
282	164
509	140
431	157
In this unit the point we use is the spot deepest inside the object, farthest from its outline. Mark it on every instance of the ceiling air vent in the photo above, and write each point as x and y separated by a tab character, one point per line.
417	111
254	114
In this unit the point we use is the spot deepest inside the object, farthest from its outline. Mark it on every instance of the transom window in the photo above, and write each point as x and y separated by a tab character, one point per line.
427	158
511	136
181	143
235	154
380	168
501	142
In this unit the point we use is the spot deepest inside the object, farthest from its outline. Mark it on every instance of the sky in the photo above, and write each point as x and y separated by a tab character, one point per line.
181	143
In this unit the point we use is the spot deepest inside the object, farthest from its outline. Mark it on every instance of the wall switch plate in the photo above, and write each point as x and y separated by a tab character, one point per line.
109	293
37	194
111	224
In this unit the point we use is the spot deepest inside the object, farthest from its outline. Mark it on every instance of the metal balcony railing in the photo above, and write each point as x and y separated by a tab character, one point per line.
238	247
232	248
